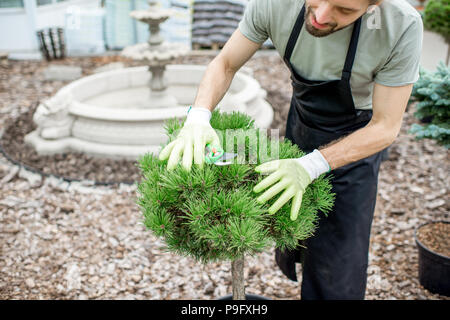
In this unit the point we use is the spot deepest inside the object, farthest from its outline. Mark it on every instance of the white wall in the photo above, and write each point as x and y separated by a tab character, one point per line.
53	15
15	33
18	33
434	50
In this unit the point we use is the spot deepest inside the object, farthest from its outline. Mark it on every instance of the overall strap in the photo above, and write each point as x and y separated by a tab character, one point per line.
294	36
351	53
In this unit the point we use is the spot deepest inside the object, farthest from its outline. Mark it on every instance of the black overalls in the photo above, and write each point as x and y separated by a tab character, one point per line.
335	259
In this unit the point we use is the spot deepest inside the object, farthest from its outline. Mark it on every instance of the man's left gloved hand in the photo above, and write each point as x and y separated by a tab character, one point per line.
292	176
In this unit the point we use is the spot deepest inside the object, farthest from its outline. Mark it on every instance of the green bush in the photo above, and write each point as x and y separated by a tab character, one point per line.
432	94
436	17
211	213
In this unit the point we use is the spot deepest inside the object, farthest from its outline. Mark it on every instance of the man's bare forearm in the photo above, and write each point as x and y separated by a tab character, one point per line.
358	145
389	105
215	83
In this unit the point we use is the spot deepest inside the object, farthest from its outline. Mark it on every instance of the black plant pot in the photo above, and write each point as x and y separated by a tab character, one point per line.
247	297
434	268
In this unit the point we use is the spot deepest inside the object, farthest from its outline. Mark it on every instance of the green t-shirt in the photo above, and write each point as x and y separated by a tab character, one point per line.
389	47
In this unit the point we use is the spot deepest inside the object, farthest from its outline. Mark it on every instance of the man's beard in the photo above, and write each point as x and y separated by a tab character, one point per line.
317	32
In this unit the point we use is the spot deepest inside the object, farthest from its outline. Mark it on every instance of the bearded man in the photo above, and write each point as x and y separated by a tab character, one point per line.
353	64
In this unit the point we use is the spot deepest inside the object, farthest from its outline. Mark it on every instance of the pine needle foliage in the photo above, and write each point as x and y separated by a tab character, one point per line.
211	213
432	93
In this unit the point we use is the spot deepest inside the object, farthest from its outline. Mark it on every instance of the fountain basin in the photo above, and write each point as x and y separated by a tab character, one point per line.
108	115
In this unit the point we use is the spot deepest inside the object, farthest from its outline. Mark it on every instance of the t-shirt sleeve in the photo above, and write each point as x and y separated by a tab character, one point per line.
254	23
402	65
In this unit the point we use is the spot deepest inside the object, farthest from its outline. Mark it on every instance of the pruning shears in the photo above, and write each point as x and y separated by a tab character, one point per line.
216	155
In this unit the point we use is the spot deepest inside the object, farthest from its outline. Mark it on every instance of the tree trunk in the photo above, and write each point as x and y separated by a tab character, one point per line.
237	281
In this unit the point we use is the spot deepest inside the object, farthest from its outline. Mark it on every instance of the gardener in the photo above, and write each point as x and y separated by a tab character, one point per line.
352	72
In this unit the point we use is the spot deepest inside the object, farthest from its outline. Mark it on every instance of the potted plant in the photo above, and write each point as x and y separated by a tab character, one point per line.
433	242
211	213
435	18
432	94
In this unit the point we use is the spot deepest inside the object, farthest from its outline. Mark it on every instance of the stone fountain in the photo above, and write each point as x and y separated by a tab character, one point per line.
157	54
121	113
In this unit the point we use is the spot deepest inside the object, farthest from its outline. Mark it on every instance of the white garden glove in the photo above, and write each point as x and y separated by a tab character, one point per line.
191	140
292	176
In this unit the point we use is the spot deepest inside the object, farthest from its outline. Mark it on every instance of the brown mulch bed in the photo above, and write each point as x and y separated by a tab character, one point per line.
69	166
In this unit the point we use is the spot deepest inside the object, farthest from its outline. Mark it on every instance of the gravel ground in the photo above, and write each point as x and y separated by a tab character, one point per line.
61	240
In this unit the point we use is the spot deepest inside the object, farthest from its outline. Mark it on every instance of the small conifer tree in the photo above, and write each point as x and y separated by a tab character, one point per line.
432	94
211	213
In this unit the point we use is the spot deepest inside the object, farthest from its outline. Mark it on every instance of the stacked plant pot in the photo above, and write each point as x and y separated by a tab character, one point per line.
214	21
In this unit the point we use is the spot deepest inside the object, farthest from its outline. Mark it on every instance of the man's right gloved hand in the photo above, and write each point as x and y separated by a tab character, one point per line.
191	140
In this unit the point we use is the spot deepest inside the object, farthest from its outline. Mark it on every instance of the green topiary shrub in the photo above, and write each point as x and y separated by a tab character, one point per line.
432	92
211	213
436	18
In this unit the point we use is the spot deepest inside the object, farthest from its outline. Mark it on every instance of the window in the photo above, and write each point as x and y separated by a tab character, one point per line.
43	2
11	3
19	3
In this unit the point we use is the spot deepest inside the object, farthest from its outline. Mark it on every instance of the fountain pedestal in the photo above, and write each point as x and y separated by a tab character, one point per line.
156	53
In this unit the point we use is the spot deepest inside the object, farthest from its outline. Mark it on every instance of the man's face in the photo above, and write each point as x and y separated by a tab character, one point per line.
323	17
